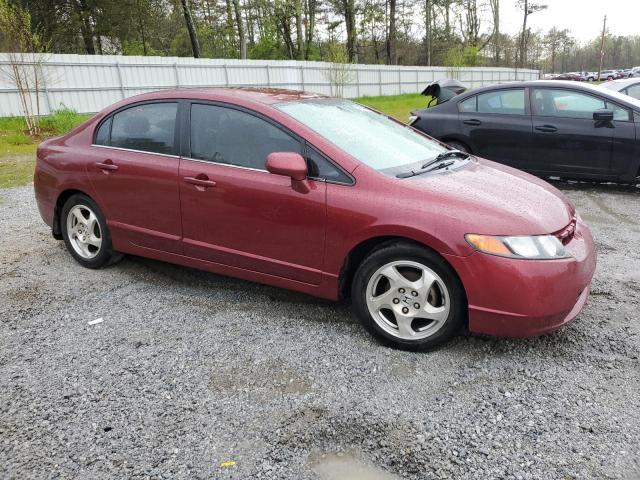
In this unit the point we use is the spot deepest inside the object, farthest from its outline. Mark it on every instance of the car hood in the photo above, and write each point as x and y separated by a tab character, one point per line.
493	199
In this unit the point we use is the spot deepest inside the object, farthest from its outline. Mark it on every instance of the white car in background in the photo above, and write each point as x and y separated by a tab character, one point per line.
628	86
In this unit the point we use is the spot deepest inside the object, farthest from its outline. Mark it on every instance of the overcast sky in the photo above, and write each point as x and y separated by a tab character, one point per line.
583	18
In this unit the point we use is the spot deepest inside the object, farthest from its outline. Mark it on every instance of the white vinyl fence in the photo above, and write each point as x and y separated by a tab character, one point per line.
88	83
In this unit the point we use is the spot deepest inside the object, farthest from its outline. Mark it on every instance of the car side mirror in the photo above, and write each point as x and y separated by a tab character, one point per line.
603	115
288	164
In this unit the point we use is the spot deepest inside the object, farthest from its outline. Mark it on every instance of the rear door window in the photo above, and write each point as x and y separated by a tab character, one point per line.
504	102
148	127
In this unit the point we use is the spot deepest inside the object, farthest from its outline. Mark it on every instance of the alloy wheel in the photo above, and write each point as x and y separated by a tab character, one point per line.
84	231
408	300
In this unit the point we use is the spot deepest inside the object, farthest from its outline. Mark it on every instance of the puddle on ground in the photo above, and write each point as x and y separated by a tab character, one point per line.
342	466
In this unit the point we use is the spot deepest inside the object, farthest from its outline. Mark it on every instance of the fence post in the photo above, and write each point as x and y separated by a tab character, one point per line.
302	77
177	74
417	80
268	76
358	82
47	98
226	75
120	79
380	81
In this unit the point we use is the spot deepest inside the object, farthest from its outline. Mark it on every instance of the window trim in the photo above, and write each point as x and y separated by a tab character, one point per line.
605	100
527	107
176	132
304	144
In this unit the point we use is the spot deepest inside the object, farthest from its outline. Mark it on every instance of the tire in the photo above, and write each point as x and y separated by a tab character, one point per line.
590	79
385	302
459	146
85	233
609	78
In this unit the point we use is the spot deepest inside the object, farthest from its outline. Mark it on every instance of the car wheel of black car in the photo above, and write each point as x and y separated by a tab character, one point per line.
408	297
85	233
459	146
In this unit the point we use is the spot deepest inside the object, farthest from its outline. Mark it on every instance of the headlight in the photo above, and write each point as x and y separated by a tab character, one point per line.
540	247
412	119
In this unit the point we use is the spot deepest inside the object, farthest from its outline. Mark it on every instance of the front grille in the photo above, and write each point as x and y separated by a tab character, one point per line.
566	234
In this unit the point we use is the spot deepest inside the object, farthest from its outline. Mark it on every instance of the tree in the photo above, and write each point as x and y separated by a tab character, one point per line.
392	58
25	61
193	36
528	7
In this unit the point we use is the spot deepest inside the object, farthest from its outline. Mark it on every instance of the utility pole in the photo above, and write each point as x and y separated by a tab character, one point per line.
604	28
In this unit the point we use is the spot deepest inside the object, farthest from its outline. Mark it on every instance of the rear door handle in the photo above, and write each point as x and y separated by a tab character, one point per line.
200	181
546	128
472	121
107	166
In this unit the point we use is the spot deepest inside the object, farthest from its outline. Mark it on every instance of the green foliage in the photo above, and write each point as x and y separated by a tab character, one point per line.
61	121
396	106
458	57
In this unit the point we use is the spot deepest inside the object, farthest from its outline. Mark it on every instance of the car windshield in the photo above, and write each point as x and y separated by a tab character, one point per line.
370	137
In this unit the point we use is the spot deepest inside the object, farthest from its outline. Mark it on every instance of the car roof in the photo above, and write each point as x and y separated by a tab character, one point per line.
565	84
266	96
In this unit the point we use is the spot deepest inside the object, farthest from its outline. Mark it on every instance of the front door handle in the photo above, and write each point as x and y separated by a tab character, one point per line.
546	128
107	166
472	121
200	181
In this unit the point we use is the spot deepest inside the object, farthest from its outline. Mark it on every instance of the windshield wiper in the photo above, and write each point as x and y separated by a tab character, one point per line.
444	156
440	158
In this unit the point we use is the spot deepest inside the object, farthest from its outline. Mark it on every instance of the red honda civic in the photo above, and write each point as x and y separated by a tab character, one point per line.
323	196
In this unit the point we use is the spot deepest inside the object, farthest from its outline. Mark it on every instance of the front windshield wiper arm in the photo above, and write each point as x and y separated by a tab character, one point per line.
443	156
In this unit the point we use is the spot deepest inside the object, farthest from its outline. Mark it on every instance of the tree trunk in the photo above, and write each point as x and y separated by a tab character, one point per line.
391	36
86	30
311	6
523	37
350	21
428	10
300	49
193	36
242	41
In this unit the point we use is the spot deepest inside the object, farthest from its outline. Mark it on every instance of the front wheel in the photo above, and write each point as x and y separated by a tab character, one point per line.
408	297
85	232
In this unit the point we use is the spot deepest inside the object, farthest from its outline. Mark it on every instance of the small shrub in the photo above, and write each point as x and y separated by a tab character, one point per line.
18	139
61	121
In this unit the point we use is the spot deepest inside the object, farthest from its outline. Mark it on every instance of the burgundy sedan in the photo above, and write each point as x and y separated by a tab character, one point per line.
322	196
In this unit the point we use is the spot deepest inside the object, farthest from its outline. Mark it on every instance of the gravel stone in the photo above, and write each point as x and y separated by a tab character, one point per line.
192	375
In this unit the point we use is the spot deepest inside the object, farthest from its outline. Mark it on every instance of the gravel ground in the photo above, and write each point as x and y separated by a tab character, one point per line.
190	372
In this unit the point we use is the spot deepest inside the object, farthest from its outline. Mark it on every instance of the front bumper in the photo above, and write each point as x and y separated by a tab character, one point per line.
520	298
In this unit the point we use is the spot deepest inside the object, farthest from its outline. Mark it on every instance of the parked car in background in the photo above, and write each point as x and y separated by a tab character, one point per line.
547	127
635	72
629	86
627	73
322	196
573	76
608	75
589	76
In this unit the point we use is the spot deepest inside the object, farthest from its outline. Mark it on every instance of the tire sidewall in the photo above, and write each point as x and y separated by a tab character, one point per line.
106	252
457	298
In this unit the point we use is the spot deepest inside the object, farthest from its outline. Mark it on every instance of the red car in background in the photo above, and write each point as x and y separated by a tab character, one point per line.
322	196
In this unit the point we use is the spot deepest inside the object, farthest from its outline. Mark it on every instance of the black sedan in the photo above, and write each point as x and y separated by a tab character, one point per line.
549	128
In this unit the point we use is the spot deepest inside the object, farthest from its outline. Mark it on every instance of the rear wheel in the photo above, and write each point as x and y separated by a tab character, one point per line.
459	146
408	297
85	232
